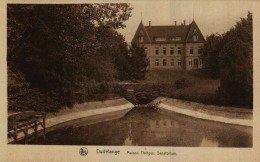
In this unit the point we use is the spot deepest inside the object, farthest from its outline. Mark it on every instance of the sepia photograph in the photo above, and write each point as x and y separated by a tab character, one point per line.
172	74
74	79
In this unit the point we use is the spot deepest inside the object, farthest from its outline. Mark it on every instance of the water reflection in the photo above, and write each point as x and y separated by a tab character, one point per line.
147	127
208	143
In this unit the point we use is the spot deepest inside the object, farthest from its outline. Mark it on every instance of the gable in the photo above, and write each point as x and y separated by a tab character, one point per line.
194	31
141	32
168	34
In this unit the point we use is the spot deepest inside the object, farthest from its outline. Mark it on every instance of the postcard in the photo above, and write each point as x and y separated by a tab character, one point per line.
129	80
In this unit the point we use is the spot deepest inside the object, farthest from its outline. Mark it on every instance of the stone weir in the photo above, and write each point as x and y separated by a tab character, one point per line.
82	114
228	115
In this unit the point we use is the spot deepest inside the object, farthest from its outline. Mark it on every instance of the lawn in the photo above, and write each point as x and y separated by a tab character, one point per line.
192	85
199	82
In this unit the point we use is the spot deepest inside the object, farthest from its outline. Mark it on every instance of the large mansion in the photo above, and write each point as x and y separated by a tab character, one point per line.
171	47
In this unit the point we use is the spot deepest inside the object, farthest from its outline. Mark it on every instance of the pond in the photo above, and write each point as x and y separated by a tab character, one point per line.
148	127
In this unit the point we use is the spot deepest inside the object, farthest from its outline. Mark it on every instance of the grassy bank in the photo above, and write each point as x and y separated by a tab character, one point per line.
194	85
23	97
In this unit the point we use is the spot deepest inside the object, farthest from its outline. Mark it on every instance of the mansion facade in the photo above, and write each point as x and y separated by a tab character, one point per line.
171	47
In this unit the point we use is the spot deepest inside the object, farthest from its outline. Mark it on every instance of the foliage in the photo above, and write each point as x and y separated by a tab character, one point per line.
210	54
130	61
114	45
182	83
54	51
230	56
138	62
22	97
17	88
56	47
236	61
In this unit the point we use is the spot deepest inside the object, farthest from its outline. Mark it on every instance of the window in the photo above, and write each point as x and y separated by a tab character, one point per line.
172	38
172	51
164	62
179	50
157	51
145	50
179	62
160	39
140	38
190	62
157	124
200	62
164	50
157	62
191	50
195	37
200	50
172	62
177	38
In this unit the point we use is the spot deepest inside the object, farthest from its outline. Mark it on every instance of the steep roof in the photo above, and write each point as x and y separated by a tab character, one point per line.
141	31
194	29
149	33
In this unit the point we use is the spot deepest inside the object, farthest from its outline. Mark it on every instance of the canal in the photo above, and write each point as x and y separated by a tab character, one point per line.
149	127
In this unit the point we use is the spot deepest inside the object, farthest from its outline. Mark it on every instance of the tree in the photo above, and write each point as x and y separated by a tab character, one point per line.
114	46
210	54
139	61
236	64
58	42
56	47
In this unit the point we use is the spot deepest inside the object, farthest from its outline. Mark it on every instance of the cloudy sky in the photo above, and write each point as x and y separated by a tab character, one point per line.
211	17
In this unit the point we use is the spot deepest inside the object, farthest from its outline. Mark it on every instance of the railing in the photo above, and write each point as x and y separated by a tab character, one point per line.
25	125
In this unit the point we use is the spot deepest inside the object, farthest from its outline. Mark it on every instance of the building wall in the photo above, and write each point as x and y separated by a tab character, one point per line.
193	57
152	56
184	57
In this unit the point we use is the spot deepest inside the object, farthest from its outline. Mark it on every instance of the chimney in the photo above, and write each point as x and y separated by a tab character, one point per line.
184	22
175	23
149	23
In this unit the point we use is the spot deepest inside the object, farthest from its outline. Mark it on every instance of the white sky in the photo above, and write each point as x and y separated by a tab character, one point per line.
211	17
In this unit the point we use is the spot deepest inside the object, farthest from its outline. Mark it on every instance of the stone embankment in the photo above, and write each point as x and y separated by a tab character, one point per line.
228	115
84	114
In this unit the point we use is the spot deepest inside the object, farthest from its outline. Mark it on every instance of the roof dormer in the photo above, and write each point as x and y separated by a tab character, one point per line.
140	38
195	35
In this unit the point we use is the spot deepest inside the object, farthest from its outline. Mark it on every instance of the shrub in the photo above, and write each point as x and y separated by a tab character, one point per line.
182	83
21	97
